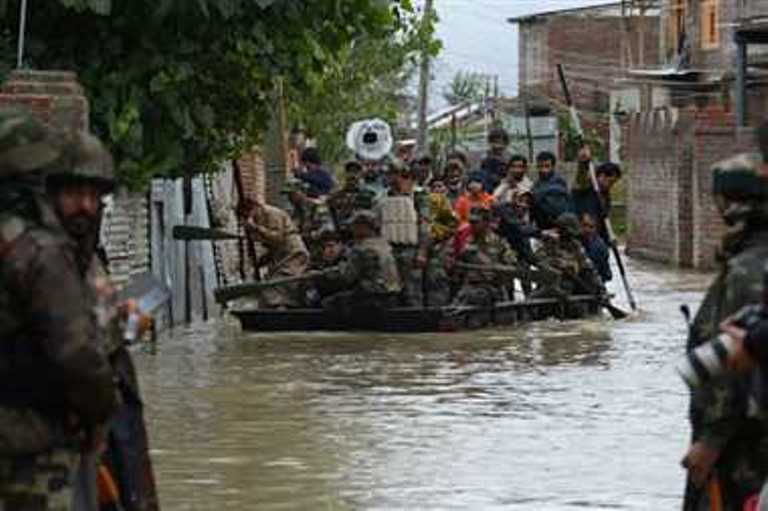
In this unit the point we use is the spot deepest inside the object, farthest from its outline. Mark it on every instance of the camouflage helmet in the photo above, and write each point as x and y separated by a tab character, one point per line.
568	224
84	158
365	216
740	190
26	144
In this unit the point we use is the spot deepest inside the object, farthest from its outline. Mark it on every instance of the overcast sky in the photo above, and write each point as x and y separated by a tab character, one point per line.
477	37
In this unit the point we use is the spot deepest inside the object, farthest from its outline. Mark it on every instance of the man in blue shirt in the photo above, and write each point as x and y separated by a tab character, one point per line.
317	177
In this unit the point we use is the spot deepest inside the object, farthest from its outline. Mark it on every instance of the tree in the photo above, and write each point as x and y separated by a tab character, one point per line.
367	79
177	85
465	87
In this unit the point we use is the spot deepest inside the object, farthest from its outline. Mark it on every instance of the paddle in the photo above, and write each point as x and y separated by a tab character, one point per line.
227	293
603	218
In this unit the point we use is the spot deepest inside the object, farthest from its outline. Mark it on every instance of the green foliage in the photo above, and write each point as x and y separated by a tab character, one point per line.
592	138
465	87
367	78
177	85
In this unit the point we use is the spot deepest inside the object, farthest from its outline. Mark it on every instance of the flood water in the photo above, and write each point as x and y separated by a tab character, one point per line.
550	416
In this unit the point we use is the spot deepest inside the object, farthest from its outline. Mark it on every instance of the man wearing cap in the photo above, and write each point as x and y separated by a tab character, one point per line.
342	203
453	177
368	272
287	255
562	258
483	248
310	214
58	388
404	214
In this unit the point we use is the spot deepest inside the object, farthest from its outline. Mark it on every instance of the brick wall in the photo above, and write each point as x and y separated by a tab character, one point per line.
671	212
590	48
253	175
56	97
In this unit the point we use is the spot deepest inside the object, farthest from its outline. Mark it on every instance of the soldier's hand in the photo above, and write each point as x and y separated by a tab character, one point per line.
551	234
699	461
740	361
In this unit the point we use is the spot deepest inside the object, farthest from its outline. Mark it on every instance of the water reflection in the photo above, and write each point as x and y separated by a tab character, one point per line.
550	416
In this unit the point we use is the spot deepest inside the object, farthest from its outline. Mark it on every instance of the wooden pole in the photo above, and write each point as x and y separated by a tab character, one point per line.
422	135
22	34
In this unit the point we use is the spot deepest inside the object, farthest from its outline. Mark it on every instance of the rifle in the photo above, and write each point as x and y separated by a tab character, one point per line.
192	233
541	274
606	223
227	293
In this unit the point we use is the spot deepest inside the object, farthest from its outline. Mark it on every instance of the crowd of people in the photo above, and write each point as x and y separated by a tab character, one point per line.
457	234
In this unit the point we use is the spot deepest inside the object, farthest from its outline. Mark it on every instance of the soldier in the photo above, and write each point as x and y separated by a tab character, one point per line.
287	255
562	257
310	214
483	248
369	272
342	203
404	214
77	193
729	444
333	253
59	391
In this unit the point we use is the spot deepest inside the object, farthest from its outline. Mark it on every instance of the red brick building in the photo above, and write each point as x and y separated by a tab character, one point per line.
595	44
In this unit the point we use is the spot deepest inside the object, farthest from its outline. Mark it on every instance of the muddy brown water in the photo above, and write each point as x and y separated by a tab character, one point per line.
548	416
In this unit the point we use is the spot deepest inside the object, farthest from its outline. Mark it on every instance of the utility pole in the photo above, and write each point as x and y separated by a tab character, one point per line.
421	137
22	34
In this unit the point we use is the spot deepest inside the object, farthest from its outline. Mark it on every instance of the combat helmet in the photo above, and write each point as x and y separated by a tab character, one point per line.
84	159
568	223
739	189
26	144
365	216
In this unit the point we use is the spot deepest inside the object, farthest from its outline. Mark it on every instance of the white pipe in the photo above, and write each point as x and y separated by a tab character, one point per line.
22	31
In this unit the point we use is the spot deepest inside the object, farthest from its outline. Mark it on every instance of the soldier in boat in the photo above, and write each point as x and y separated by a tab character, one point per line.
333	253
368	272
404	214
342	203
310	214
287	255
483	250
565	265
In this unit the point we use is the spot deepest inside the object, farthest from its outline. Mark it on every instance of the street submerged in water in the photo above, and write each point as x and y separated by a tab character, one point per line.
546	416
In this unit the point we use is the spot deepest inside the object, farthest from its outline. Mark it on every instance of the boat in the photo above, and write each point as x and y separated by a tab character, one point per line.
420	319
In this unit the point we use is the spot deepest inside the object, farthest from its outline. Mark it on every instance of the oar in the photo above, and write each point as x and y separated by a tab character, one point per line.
192	233
595	187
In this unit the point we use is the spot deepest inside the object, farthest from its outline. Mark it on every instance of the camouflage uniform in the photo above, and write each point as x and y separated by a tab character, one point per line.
571	271
483	287
288	255
723	414
127	455
56	379
406	253
369	273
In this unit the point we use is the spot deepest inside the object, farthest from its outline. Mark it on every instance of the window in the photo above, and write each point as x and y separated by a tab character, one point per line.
677	12
710	26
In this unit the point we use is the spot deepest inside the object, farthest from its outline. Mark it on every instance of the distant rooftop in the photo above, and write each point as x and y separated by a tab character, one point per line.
612	6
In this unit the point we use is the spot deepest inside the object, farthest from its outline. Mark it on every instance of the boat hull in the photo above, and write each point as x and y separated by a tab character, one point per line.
416	320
